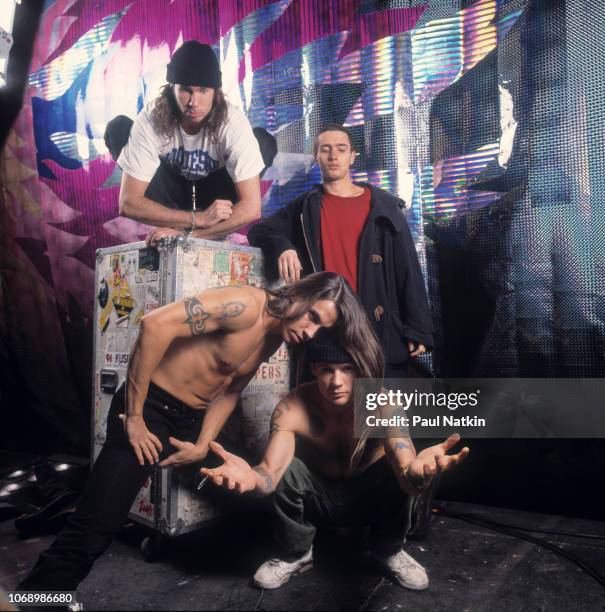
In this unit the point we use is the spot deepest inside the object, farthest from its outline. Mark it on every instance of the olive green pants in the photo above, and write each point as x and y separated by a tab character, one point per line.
305	500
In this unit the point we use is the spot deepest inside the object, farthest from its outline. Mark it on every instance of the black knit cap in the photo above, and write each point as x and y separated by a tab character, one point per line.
194	64
323	348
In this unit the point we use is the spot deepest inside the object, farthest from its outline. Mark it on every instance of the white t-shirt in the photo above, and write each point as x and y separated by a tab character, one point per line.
192	156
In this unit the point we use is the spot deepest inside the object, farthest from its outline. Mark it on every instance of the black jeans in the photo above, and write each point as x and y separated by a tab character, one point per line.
304	500
115	480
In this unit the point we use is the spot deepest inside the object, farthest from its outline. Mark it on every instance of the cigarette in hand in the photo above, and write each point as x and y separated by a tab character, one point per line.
202	482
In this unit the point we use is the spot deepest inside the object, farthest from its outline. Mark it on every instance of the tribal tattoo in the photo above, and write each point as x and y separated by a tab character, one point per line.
282	407
232	309
267	486
196	316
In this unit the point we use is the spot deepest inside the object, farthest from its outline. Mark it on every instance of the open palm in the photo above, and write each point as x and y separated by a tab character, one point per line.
235	474
434	459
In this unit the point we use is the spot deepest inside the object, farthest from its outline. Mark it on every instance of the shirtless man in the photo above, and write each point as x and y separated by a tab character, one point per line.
189	365
334	478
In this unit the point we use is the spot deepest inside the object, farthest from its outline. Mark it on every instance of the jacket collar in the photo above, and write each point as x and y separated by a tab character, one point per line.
383	204
386	206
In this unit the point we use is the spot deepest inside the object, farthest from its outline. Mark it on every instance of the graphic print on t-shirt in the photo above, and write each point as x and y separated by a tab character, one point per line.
190	164
193	156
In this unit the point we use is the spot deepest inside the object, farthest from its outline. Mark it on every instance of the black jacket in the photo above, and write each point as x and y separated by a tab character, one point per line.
389	280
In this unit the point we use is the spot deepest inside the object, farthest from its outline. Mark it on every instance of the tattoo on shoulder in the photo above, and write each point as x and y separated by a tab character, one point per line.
232	309
400	445
279	410
267	486
196	316
274	427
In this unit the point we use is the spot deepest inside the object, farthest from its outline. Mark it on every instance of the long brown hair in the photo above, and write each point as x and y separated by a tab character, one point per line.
166	114
352	330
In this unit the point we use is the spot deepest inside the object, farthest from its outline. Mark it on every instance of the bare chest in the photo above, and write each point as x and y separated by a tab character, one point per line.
331	444
240	354
207	365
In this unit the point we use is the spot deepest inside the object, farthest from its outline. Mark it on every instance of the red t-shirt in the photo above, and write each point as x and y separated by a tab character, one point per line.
342	221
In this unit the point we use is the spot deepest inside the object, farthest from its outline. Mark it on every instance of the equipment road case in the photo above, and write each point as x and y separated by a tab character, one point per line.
134	279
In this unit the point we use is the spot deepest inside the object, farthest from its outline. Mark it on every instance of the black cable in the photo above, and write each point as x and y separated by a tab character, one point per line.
259	600
591	536
511	532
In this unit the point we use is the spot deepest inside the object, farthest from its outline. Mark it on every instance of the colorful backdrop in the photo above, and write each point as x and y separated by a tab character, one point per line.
485	116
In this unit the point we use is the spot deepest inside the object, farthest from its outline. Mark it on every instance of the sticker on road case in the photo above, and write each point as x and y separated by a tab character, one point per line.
240	268
221	262
117	359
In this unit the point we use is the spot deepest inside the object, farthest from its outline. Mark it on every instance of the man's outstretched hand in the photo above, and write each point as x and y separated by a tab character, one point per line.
187	453
433	460
235	474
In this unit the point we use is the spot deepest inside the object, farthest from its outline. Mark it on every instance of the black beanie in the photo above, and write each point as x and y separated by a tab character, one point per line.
194	64
323	348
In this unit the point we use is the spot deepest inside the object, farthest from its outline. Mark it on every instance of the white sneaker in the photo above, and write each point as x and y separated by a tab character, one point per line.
406	571
275	572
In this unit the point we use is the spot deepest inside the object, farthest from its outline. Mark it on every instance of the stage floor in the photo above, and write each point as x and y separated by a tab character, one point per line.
470	568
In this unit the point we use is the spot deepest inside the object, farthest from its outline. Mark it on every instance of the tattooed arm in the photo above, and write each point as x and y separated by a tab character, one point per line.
236	474
229	309
400	453
286	422
399	449
415	471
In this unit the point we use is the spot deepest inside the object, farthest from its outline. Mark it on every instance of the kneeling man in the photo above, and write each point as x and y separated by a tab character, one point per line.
335	478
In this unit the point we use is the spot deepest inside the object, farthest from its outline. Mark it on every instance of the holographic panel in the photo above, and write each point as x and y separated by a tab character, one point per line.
444	186
53	79
445	49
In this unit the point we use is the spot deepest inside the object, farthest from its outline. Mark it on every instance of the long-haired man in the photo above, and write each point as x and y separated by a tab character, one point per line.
191	130
188	367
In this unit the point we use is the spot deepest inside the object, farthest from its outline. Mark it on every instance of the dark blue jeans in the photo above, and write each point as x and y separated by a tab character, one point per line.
115	480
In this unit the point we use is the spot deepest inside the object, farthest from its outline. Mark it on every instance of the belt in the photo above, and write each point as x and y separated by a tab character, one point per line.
165	401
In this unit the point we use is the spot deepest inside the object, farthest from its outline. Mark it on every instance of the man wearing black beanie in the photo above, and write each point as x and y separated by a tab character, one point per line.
317	472
190	132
